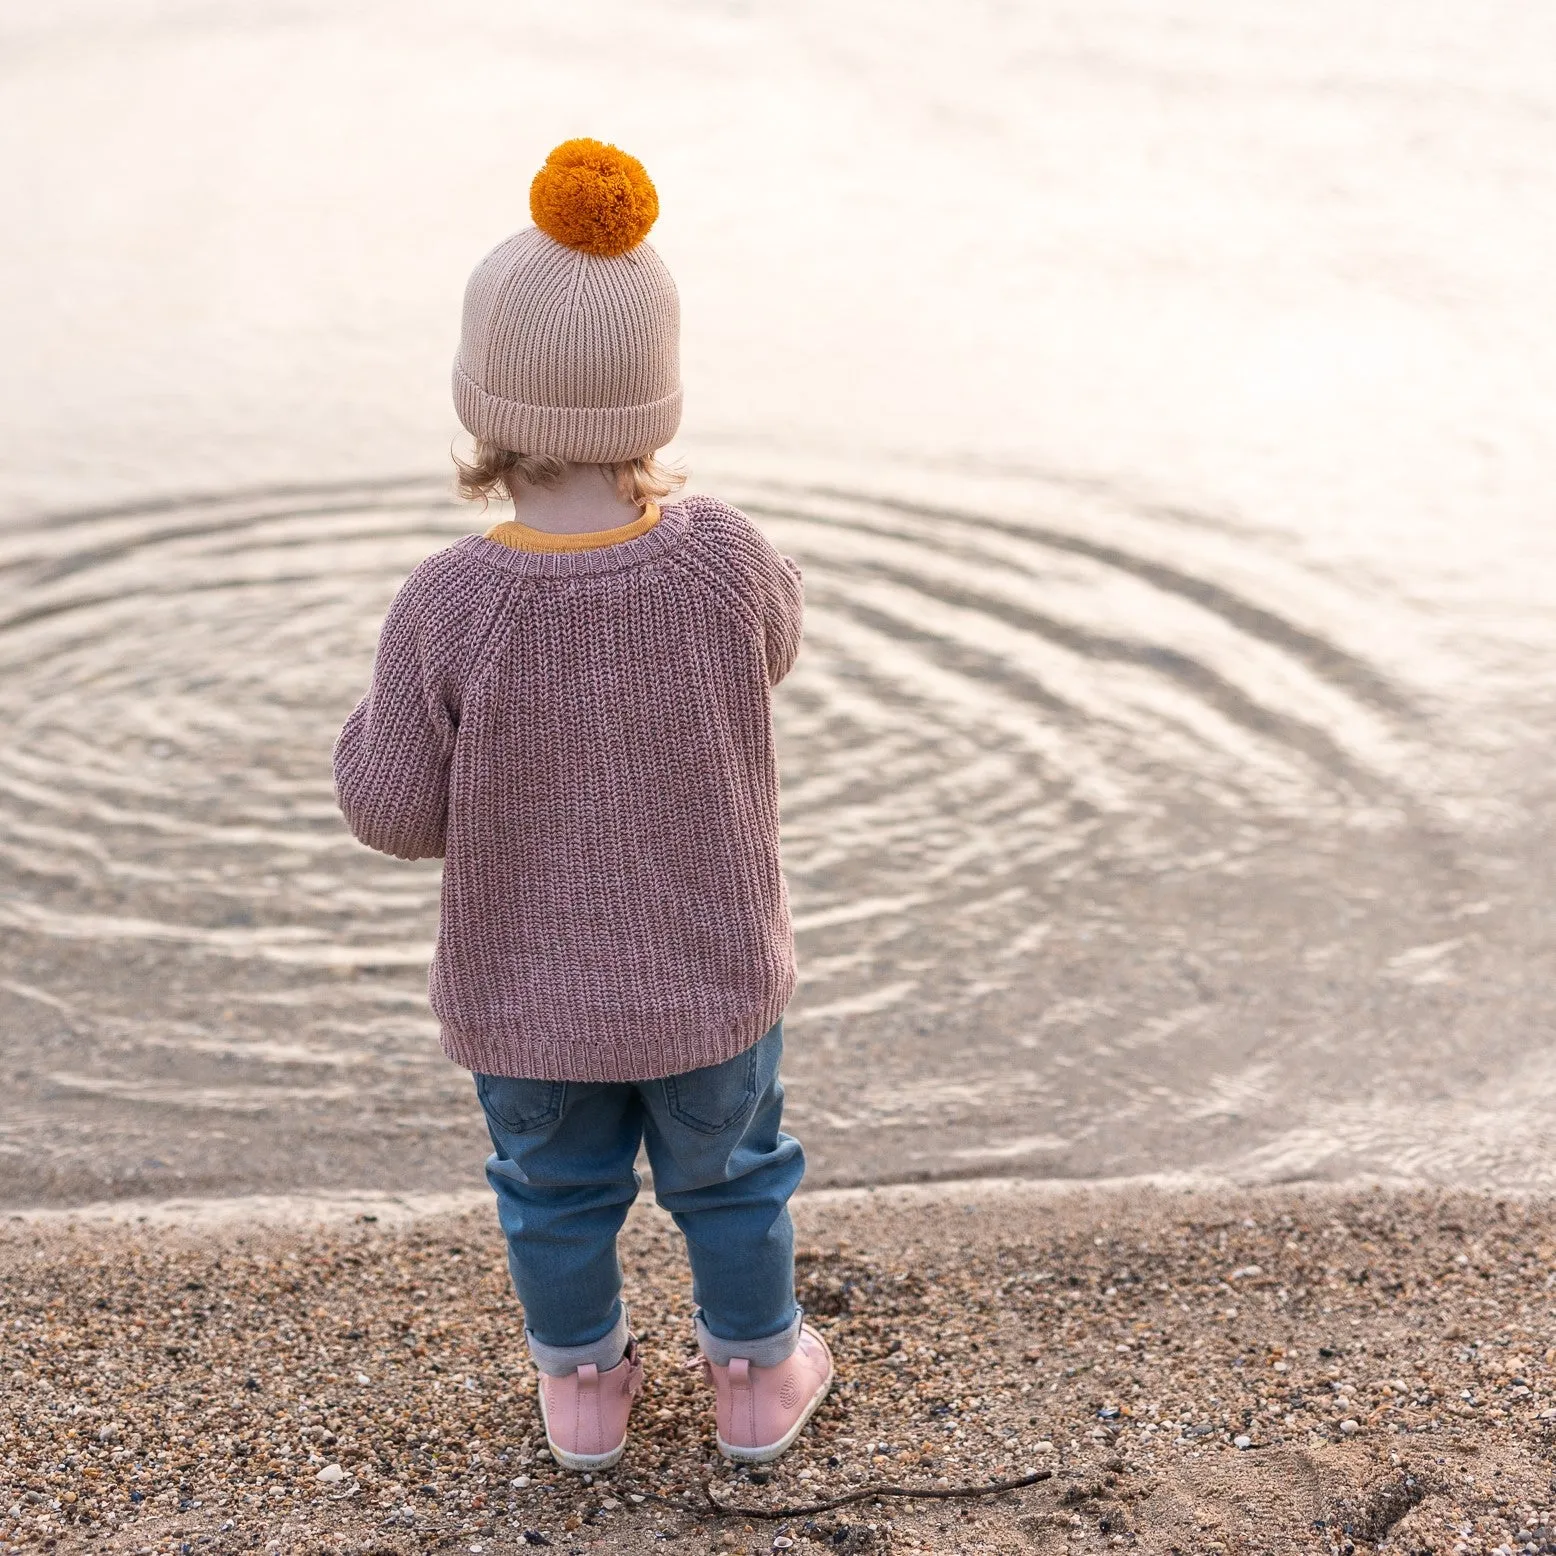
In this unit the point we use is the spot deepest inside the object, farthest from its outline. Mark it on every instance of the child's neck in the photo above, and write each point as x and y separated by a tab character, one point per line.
584	500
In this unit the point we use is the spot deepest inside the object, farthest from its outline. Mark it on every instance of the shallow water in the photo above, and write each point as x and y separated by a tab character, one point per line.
1166	773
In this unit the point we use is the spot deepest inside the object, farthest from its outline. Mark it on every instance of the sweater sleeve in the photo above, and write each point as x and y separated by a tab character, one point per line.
784	617
392	757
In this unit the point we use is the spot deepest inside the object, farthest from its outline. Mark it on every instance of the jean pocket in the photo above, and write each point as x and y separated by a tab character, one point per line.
712	1099
519	1106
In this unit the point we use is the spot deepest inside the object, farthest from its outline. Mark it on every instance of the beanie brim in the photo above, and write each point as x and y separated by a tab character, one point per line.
584	435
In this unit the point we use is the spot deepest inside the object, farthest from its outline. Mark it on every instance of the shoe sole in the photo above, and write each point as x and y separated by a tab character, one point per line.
583	1462
775	1450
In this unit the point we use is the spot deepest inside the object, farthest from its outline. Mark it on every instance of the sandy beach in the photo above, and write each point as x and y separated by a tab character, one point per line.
1300	1370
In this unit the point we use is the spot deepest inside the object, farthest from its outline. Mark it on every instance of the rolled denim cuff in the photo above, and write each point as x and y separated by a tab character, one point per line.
768	1351
559	1361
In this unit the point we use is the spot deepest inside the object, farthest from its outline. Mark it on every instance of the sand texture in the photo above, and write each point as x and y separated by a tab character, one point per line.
1270	1371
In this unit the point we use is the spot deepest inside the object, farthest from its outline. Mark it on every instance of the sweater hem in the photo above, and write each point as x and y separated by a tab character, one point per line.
646	1055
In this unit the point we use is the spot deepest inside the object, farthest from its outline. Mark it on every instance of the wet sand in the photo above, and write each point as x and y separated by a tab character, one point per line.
1271	1371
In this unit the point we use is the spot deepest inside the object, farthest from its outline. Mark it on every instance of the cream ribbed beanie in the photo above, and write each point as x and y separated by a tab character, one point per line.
570	343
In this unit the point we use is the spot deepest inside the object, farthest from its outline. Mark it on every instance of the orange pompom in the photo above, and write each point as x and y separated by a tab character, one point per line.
593	197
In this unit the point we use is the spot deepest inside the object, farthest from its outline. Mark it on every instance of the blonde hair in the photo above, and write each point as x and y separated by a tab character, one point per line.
499	472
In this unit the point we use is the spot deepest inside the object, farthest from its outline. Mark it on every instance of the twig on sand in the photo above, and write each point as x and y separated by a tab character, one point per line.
868	1493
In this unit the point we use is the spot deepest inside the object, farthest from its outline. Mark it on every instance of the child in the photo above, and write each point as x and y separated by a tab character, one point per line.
573	712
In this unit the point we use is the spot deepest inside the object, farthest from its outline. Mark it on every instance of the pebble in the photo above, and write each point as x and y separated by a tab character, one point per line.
251	1318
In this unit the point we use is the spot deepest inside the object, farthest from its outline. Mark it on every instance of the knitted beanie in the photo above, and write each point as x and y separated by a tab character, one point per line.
570	341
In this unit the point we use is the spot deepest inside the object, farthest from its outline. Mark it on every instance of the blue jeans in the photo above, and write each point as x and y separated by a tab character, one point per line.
562	1169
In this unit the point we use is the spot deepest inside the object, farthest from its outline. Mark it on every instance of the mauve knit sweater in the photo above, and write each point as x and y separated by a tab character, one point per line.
585	738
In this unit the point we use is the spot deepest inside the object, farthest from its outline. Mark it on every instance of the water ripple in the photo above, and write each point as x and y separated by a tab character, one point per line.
997	728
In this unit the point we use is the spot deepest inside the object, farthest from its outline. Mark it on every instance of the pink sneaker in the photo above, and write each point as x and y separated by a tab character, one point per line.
761	1410
586	1412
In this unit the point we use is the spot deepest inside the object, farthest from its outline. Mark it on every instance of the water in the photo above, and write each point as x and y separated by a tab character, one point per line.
1166	773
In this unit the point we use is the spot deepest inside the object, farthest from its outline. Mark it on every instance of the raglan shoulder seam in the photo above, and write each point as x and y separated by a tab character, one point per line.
461	658
737	602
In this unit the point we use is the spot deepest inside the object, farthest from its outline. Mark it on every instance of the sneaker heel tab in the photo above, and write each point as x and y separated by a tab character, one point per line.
739	1370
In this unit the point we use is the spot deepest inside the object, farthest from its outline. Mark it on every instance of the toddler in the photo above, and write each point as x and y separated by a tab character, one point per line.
573	711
